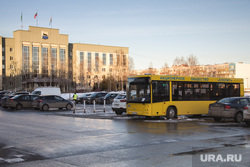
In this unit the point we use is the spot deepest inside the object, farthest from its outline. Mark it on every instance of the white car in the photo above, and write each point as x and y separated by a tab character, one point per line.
119	104
246	114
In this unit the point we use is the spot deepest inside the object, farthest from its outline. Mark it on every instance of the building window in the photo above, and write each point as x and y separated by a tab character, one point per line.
117	59
62	55
111	59
97	62
3	57
11	58
11	49
53	59
81	58
45	62
25	59
103	69
35	61
104	59
89	62
3	66
3	49
124	60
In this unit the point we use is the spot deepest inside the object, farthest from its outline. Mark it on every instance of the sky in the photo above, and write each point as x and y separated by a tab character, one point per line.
156	31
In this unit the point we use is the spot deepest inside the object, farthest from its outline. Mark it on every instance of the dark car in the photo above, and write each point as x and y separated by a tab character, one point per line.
8	97
230	107
2	94
83	97
19	102
95	96
109	98
51	101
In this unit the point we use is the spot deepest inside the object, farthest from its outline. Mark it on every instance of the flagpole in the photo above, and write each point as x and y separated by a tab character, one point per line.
22	20
37	20
36	17
50	22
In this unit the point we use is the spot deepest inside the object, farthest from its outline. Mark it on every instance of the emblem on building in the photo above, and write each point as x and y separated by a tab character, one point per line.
45	35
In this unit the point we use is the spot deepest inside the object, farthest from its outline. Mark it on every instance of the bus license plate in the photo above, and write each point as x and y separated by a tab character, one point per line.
135	113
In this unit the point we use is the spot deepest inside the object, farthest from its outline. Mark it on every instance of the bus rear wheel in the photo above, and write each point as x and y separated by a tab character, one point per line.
171	113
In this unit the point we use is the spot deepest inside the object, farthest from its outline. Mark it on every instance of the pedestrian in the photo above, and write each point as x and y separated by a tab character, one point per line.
75	97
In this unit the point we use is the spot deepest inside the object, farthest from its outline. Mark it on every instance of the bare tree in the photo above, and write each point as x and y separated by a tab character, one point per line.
192	61
165	68
180	61
131	64
14	72
121	70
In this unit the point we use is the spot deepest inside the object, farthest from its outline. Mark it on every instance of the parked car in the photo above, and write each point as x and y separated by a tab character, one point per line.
19	102
95	96
119	104
3	93
230	107
83	97
8	97
51	101
246	114
108	97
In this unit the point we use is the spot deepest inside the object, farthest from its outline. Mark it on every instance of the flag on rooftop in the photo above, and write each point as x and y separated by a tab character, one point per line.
35	15
50	21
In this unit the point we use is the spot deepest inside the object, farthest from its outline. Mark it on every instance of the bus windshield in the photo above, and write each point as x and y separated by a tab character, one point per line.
139	90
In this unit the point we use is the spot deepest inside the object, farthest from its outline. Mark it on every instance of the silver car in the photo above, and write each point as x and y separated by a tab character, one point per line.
51	101
230	107
246	115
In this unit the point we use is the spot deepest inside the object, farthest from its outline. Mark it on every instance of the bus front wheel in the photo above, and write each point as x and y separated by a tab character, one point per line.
171	113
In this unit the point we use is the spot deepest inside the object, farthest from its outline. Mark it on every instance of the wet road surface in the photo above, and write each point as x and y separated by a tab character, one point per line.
61	138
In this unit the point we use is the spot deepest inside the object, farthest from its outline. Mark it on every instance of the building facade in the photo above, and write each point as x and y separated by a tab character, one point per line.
43	57
93	64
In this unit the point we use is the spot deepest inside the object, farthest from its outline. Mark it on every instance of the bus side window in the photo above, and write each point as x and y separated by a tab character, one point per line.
160	91
174	91
236	91
177	91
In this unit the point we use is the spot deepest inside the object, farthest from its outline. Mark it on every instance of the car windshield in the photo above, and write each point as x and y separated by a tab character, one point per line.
94	94
15	97
138	90
226	100
121	97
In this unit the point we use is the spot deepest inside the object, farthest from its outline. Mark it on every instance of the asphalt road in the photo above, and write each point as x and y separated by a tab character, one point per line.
31	138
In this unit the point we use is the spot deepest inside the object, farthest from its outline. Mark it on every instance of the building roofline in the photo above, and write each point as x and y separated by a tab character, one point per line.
42	28
97	45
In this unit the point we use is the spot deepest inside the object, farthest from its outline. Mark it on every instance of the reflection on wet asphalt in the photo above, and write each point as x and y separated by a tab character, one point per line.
61	138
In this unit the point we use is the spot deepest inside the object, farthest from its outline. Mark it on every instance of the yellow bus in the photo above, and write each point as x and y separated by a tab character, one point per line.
170	96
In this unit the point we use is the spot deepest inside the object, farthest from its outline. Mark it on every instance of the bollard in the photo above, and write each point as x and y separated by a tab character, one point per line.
84	107
74	107
94	105
104	103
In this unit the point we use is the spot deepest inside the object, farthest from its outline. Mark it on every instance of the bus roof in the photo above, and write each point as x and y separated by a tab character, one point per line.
189	78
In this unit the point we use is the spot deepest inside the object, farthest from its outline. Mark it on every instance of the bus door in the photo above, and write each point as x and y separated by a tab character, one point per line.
160	94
